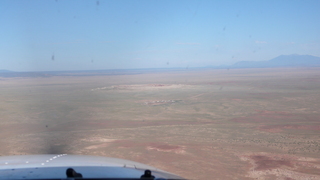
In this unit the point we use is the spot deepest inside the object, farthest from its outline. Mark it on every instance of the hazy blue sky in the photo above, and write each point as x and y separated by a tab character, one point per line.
78	35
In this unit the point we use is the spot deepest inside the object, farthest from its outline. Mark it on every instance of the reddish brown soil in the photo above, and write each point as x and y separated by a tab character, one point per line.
268	163
284	166
287	178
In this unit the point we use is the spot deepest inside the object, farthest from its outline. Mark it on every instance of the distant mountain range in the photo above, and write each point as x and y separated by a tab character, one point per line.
293	60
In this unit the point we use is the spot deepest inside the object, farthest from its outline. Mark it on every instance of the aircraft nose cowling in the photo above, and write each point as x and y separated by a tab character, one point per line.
59	166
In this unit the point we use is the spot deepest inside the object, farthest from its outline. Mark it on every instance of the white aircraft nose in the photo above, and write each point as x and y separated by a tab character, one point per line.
55	166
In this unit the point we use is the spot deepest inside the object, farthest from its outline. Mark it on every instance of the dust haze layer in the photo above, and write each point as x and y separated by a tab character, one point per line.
199	124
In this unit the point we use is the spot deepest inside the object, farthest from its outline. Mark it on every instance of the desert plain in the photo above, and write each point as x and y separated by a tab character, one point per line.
196	123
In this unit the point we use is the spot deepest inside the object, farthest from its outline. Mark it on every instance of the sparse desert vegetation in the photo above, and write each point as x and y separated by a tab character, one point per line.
200	124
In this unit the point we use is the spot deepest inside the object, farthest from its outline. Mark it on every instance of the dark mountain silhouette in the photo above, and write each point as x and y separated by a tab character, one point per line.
293	60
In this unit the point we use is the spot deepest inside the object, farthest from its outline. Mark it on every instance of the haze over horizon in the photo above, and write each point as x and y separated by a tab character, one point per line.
282	61
91	35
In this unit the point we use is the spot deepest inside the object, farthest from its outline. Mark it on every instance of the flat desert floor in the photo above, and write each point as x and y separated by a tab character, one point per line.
199	124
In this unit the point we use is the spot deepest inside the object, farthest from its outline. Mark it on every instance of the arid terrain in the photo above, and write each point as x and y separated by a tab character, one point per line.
199	124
